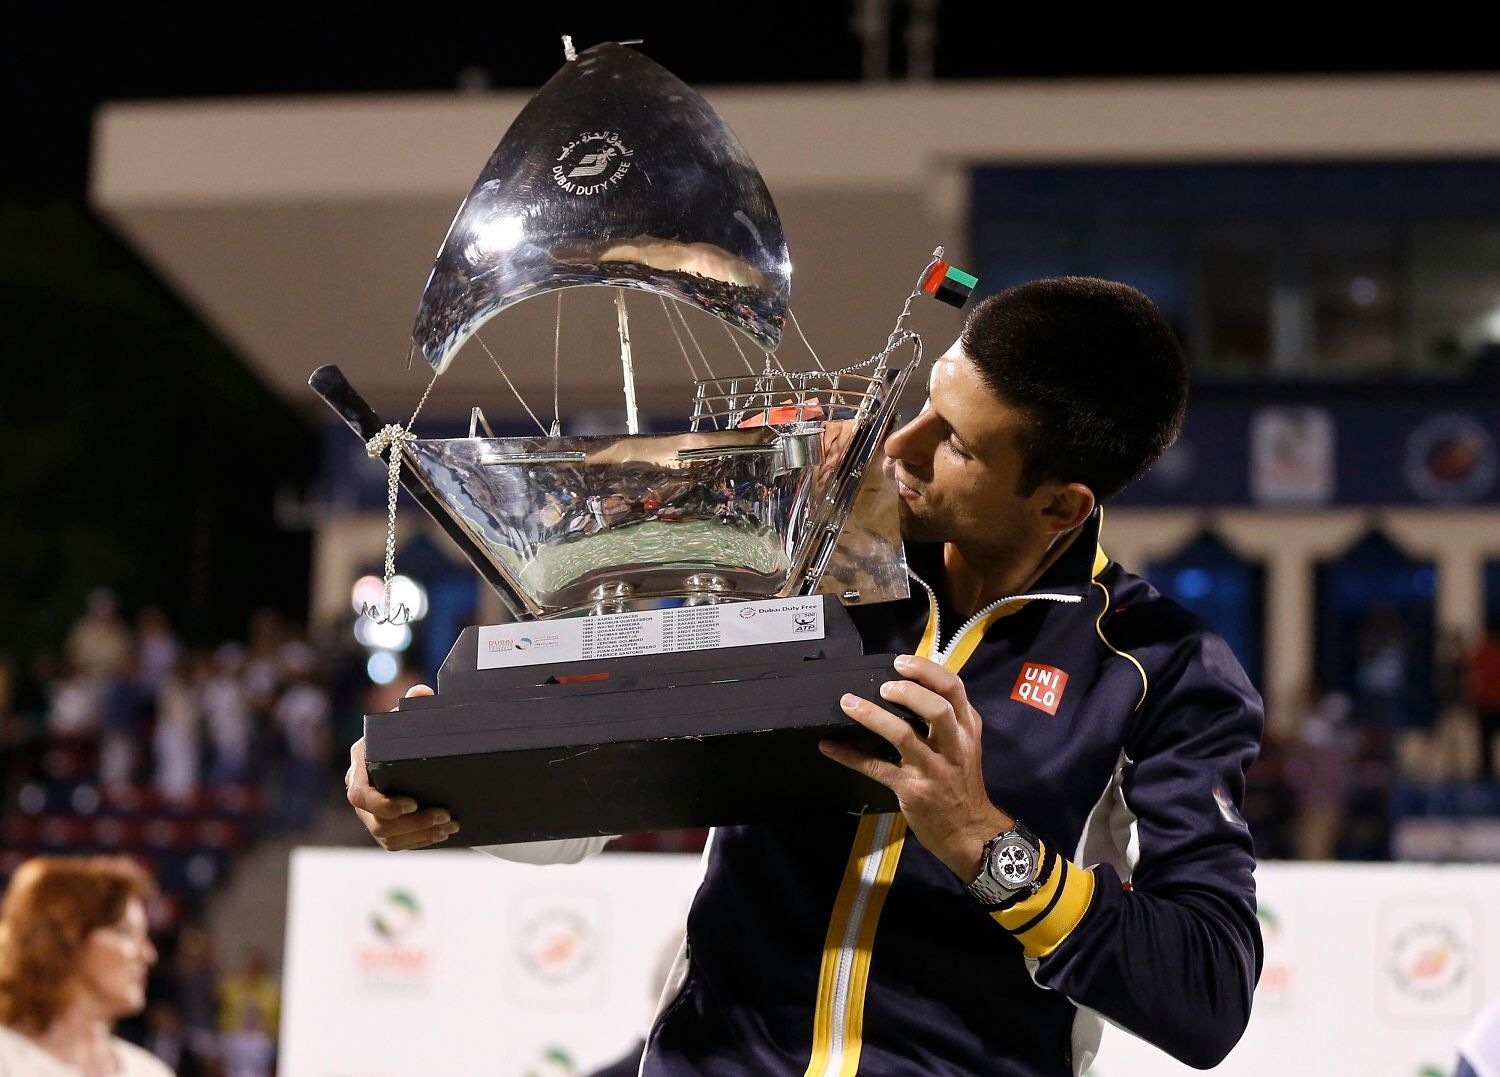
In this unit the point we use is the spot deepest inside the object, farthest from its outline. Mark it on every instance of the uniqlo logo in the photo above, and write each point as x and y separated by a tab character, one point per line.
1040	686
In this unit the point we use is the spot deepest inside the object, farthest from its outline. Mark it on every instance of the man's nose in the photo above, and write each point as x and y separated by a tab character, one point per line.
909	443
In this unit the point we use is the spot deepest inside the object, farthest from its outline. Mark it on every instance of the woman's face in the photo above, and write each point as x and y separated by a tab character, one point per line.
114	961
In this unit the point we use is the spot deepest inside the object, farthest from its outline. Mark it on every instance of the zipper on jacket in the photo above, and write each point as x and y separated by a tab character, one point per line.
941	654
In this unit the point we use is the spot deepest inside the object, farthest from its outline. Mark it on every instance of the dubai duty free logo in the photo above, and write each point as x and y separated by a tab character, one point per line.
594	161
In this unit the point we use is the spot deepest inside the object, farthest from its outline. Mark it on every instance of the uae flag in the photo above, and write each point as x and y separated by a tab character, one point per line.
950	284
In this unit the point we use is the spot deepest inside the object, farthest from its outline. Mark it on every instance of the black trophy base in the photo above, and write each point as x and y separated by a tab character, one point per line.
651	742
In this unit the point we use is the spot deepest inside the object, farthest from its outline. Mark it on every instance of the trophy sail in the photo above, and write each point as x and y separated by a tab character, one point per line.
616	173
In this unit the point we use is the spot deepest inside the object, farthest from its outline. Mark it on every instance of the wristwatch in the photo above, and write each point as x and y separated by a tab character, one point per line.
1009	867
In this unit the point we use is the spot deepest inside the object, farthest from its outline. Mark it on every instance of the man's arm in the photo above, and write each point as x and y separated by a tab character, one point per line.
1173	958
1173	953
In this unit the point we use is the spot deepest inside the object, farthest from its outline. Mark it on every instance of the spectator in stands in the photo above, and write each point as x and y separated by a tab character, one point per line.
98	643
1484	689
262	676
1454	744
1319	771
167	1039
230	727
193	986
1382	661
121	712
249	1051
74	953
253	988
302	718
177	737
157	649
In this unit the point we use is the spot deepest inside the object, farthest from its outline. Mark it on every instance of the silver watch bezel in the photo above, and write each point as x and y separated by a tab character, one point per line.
990	886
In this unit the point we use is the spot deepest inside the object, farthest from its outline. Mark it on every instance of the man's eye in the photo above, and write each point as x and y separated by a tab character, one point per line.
954	447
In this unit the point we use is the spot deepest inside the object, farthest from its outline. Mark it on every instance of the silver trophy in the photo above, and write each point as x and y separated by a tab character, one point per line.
618	175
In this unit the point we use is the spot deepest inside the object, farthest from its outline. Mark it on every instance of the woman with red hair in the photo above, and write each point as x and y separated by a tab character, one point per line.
74	953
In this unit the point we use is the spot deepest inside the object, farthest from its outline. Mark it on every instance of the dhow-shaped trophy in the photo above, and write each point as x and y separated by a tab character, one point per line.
679	644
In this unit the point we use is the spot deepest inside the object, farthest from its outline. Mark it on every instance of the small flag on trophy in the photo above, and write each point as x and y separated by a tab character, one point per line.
950	284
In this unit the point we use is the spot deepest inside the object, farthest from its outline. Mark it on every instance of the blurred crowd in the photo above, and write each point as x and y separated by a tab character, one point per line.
177	719
1368	771
128	741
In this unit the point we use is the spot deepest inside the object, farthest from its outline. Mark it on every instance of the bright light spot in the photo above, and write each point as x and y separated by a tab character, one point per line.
1492	325
85	800
368	590
382	667
1193	583
495	236
387	637
408	592
1363	291
200	871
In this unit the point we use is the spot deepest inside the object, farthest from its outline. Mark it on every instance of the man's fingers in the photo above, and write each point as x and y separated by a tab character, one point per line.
927	705
887	774
412	832
419	690
930	675
419	839
898	731
366	797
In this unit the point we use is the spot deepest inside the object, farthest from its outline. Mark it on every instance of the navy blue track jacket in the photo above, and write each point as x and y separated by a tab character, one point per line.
1118	728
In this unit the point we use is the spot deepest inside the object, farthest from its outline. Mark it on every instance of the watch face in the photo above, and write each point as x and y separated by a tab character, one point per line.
1012	865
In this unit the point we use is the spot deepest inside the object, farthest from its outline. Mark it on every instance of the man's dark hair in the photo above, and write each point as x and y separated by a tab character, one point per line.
1097	371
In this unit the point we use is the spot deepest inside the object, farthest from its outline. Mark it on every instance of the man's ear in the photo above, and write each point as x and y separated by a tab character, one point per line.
1065	505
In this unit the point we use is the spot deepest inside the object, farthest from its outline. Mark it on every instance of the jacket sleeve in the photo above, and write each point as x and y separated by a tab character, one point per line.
1164	941
555	851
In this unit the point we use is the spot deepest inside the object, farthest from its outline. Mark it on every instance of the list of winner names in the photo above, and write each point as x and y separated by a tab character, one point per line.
684	629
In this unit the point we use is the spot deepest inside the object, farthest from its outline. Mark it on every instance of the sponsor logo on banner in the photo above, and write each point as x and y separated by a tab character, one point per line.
1274	991
1040	686
1428	953
558	948
1291	456
1450	457
552	1061
394	952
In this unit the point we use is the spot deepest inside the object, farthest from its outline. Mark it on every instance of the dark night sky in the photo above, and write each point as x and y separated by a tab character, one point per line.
53	76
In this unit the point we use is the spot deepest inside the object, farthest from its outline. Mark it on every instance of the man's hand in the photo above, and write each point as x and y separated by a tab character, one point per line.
938	782
395	822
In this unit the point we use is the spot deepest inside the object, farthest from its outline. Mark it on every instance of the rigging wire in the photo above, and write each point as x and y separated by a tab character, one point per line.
673	326
510	383
734	339
798	326
556	351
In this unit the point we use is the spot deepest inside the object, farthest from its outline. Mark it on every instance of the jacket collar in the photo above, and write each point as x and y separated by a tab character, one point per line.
1080	563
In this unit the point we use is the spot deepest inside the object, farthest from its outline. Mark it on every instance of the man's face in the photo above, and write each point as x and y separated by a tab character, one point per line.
957	465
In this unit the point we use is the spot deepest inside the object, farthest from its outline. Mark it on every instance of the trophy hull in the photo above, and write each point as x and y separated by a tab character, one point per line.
573	522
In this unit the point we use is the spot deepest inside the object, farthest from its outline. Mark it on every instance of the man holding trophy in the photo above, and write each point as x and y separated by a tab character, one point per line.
1064	751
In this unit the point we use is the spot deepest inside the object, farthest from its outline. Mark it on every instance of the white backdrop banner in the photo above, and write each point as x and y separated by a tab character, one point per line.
453	963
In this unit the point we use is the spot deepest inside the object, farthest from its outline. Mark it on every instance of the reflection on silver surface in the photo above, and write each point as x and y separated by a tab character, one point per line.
718	513
616	173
